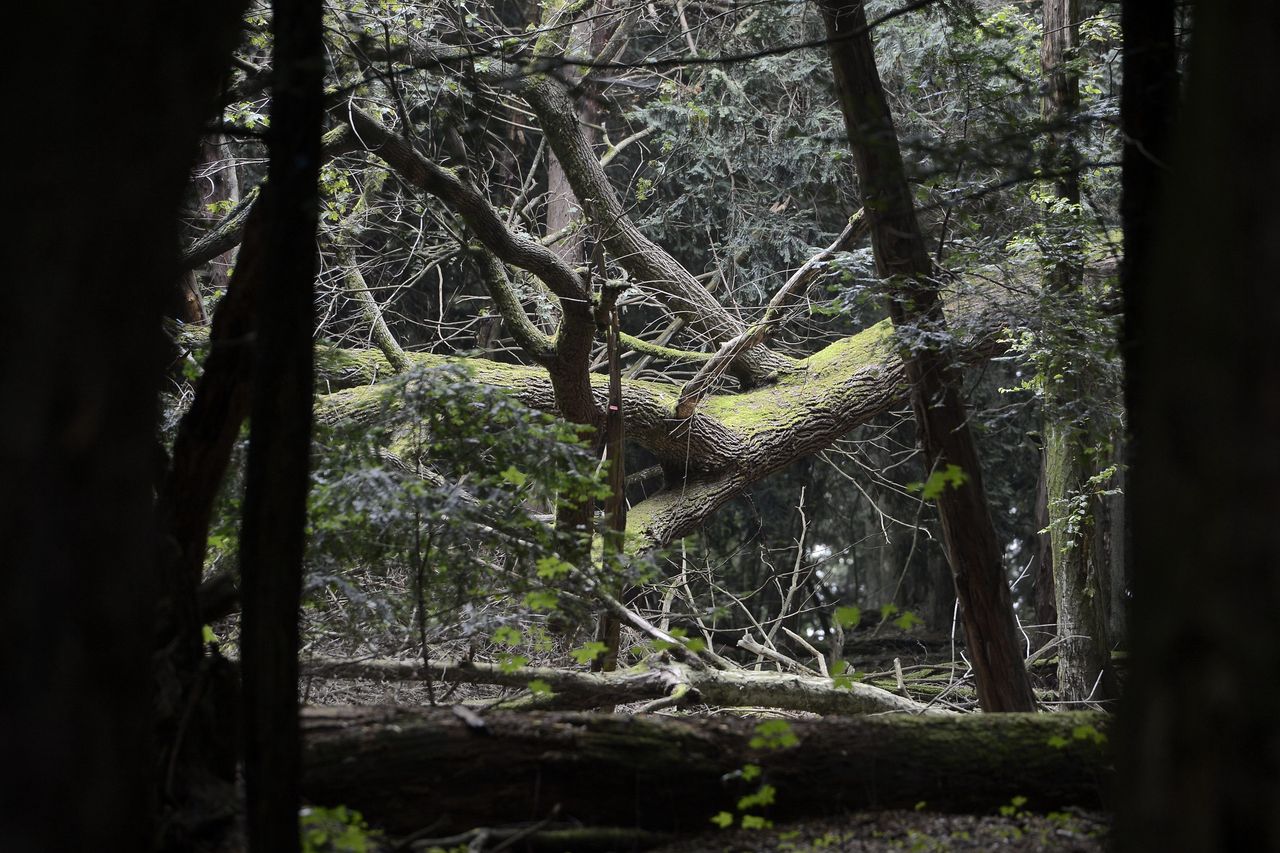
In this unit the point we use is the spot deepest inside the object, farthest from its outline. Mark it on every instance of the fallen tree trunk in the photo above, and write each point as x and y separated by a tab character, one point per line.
655	679
410	769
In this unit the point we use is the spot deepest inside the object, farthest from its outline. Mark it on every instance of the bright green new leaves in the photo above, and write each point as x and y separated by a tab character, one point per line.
842	675
848	617
773	734
589	652
932	488
552	567
514	477
507	636
764	796
541	600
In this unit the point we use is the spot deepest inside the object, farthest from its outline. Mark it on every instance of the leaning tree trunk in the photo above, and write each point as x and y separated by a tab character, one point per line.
276	479
914	304
1079	579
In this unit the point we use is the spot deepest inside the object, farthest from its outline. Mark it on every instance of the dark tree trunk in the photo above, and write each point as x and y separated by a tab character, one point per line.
902	258
1202	770
82	351
1043	597
276	483
202	448
408	769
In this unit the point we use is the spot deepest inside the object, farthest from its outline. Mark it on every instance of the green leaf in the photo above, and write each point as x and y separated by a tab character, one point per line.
538	687
550	568
763	797
773	734
589	652
507	636
512	663
207	635
848	617
1058	742
751	771
751	821
932	488
541	600
724	820
513	476
842	675
907	621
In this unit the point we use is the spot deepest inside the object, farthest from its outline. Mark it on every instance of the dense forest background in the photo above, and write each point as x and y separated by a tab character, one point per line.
811	375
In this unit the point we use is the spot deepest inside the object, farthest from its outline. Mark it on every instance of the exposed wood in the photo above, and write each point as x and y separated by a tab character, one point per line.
408	769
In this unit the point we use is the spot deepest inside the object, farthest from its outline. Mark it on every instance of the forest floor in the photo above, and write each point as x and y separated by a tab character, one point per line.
918	832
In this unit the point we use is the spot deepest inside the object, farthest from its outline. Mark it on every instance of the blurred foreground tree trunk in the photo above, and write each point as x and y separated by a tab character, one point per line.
93	266
273	536
1202	768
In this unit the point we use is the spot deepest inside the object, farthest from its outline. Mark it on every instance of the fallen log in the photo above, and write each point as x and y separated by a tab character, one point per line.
658	678
407	769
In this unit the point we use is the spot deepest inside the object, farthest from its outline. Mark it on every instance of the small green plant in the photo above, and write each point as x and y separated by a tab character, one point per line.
1014	807
589	651
335	830
773	734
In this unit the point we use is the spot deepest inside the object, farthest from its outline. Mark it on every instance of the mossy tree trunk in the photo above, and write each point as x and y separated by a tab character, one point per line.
409	769
1072	441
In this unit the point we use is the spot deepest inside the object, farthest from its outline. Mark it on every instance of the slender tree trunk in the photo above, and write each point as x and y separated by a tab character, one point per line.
272	537
222	184
1202	769
903	260
1079	582
1044	599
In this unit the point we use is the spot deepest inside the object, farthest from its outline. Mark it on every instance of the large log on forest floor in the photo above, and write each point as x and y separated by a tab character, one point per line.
409	769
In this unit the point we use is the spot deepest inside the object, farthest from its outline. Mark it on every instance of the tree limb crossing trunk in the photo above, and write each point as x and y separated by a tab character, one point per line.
903	260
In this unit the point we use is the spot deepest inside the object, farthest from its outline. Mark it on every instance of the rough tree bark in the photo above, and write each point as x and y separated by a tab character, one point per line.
272	537
409	769
914	303
1079	577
